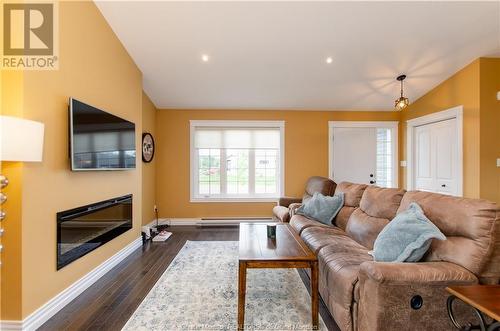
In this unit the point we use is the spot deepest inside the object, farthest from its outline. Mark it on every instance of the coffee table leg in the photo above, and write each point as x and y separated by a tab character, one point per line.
314	294
242	287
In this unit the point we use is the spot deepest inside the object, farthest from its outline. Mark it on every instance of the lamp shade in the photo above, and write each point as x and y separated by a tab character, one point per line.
20	139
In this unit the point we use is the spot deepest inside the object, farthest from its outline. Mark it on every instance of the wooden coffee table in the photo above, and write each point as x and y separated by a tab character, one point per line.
286	251
484	299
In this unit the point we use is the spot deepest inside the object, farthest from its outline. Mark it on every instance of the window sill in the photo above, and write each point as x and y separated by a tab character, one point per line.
233	200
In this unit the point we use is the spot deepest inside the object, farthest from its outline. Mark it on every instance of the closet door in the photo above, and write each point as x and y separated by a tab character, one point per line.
435	155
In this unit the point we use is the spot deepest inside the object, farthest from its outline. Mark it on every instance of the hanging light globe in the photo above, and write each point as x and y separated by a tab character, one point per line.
402	102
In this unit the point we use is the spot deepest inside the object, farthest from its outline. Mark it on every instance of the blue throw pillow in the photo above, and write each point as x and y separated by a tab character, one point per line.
322	208
407	237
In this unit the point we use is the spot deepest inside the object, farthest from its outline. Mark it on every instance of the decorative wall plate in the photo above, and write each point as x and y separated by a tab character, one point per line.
148	147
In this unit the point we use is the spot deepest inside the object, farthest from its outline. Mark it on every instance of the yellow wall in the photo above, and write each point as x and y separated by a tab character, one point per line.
11	269
460	89
490	129
148	169
95	68
306	154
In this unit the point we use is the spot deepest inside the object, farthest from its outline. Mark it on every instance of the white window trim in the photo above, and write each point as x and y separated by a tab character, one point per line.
236	124
393	125
448	114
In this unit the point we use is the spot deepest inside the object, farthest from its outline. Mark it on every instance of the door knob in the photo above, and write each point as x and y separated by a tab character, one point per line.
443	185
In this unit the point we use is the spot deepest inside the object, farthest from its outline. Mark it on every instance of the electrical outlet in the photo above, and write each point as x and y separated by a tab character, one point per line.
155	209
498	162
402	163
498	95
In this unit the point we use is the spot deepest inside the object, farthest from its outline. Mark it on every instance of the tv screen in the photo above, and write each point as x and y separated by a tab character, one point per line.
99	140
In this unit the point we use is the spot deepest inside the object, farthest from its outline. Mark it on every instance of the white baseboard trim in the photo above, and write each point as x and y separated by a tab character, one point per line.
11	325
50	308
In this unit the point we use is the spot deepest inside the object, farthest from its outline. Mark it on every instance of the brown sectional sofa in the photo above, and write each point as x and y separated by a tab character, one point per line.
365	295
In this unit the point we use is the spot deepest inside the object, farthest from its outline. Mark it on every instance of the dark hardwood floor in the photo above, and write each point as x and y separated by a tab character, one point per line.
109	303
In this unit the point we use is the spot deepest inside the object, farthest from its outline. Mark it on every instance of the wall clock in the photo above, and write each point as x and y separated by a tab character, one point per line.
148	147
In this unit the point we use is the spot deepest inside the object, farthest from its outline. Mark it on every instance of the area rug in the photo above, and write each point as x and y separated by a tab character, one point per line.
198	291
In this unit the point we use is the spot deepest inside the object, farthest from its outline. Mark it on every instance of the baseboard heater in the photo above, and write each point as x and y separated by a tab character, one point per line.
230	221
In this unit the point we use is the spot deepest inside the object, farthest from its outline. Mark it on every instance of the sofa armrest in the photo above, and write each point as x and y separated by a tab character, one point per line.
393	296
432	273
293	208
287	201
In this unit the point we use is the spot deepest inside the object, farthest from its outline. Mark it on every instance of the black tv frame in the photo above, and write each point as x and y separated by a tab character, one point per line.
70	139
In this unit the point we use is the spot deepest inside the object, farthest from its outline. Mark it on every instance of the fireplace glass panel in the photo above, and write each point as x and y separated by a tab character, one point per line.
83	229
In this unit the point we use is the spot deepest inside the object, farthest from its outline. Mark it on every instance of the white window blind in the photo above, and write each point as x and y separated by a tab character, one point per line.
239	160
244	138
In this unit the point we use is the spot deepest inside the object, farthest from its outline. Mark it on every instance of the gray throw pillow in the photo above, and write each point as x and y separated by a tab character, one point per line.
407	237
322	208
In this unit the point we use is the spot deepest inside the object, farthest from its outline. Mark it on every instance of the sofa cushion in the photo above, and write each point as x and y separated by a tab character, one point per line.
323	185
299	223
318	237
377	207
352	193
352	197
339	266
381	202
365	228
281	213
469	226
343	216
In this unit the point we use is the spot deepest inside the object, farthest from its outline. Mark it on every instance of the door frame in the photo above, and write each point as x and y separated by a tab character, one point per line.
448	114
393	125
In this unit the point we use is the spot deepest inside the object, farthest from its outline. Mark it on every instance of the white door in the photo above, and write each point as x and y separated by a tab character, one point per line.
436	151
354	155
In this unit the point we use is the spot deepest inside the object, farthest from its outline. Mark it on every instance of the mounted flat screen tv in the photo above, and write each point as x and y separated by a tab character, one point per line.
99	140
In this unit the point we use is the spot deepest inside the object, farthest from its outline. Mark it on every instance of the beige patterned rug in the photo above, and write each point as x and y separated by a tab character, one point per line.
198	291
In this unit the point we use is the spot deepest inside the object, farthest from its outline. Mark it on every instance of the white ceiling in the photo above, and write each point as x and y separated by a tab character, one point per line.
271	55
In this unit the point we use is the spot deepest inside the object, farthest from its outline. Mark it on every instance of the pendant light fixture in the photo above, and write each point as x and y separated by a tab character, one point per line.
401	102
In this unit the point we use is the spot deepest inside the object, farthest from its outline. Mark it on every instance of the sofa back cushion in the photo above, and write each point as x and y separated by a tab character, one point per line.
377	208
352	197
471	227
322	185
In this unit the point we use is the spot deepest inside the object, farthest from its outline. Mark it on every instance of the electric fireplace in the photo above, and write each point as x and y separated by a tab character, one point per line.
83	229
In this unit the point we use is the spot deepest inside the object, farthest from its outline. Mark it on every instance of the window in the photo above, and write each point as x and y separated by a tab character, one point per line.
384	157
236	160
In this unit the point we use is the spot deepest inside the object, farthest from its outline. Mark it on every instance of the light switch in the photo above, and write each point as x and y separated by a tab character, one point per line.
498	163
402	163
498	95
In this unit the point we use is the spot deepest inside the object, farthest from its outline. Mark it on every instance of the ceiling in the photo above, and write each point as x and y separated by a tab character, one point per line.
272	55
